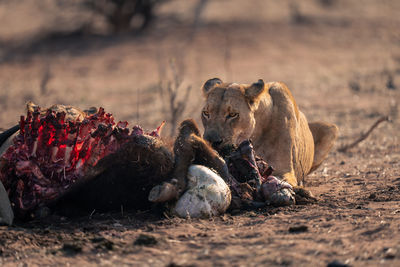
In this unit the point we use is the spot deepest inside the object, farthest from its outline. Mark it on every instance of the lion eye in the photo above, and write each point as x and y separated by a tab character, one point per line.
232	115
206	114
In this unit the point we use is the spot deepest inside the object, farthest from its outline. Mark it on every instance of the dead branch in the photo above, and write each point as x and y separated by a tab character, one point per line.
198	10
363	136
45	79
177	102
228	57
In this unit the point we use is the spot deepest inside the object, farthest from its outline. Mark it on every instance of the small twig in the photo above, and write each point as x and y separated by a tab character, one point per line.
171	90
198	11
228	57
161	77
91	214
363	136
45	79
138	105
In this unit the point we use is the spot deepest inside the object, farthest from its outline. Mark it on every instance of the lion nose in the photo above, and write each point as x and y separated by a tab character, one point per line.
214	138
216	144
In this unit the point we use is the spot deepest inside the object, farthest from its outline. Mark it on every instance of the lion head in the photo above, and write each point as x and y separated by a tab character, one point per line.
230	113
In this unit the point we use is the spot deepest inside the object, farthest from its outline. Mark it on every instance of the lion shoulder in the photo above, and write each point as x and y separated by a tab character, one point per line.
283	97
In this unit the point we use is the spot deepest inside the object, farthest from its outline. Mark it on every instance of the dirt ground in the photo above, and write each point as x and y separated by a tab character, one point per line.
342	63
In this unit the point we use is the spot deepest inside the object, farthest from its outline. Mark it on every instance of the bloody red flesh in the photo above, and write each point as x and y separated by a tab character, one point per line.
50	154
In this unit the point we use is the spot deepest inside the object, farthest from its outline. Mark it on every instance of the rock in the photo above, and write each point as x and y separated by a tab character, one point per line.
298	229
145	240
71	249
6	212
207	195
336	263
390	253
103	243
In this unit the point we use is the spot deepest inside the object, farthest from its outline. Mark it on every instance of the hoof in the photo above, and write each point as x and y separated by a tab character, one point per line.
164	192
277	192
283	197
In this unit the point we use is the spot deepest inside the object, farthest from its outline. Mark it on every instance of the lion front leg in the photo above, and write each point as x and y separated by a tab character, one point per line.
282	147
290	178
278	190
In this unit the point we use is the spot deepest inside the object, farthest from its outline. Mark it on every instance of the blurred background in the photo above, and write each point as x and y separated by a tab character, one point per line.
145	60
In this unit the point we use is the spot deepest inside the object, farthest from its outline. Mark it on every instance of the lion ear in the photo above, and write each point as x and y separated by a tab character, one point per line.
210	84
254	91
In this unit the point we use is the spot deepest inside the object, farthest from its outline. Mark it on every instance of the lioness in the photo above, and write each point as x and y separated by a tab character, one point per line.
268	115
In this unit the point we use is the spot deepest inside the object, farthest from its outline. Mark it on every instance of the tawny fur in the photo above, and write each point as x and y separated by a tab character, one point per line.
268	115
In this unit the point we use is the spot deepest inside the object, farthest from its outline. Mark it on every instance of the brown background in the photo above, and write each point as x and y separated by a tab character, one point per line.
342	63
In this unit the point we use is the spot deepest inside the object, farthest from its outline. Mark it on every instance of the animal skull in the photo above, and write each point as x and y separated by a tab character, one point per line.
207	195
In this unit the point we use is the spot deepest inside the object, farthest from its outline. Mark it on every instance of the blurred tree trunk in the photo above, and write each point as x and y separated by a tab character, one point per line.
120	13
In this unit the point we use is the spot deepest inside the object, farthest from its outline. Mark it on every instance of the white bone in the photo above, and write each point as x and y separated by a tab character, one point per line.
207	195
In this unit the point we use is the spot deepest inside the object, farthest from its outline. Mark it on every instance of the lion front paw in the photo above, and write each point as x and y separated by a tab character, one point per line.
304	196
277	192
